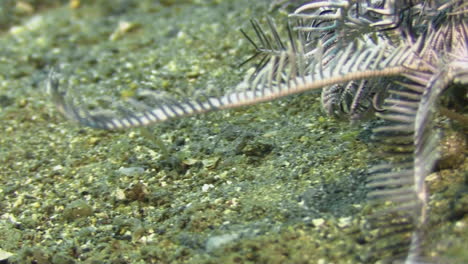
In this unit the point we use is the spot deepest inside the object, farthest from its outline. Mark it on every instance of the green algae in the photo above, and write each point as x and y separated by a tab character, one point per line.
279	182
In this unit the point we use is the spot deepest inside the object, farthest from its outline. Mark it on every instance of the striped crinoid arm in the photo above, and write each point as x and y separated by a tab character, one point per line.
409	145
286	73
312	57
411	142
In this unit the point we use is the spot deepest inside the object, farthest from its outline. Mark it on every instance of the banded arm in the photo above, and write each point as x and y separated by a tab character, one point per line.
284	74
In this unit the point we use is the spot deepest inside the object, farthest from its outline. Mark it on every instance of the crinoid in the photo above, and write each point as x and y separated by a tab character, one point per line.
395	58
